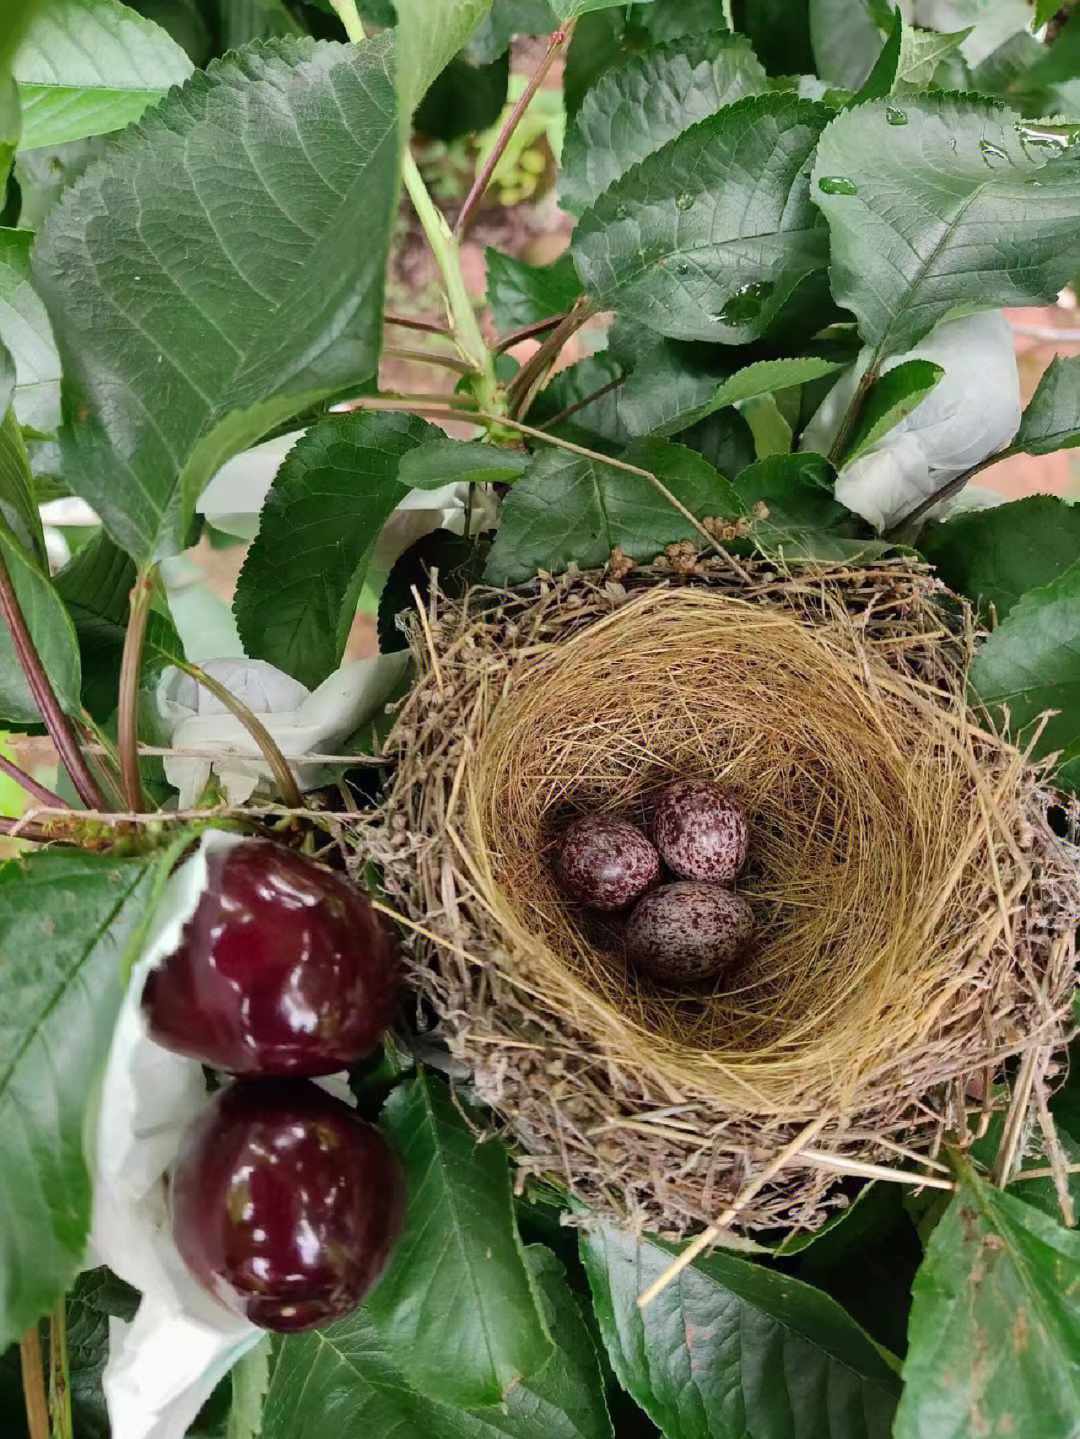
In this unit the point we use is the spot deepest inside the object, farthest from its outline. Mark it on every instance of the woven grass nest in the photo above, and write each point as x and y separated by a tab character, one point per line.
916	907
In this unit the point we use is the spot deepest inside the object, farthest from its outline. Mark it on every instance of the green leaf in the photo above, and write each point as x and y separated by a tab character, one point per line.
1028	665
994	556
10	126
921	53
1045	10
95	587
676	19
25	330
507	19
65	919
731	1349
949	211
676	386
1052	418
450	462
242	21
571	9
598	423
86	67
846	40
892	398
779	31
520	294
457	1309
429	34
236	240
296	596
346	1376
995	1323
54	639
647	99
97	1297
250	1381
656	243
19	516
464	99
569	508
802	519
7	381
724	439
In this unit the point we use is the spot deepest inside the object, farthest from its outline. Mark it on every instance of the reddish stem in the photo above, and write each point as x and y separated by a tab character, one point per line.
31	785
557	43
56	721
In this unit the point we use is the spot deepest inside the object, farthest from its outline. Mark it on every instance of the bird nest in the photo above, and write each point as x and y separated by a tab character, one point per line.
916	906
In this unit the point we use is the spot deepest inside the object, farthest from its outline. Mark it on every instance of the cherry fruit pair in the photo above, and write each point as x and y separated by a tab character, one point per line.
284	1204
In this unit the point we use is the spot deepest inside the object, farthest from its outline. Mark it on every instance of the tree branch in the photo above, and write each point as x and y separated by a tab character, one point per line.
410	322
56	721
538	327
33	1382
557	43
128	704
31	785
523	388
946	491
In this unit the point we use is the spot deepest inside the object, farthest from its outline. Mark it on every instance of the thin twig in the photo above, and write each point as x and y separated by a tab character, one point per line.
523	388
712	1233
412	322
585	403
279	765
420	397
556	44
31	785
840	1164
56	721
59	1374
528	332
853	411
128	704
427	357
946	491
33	1382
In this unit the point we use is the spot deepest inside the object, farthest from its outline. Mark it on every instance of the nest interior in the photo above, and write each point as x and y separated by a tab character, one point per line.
916	910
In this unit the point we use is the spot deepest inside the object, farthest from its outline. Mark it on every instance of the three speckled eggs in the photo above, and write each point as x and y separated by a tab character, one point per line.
683	932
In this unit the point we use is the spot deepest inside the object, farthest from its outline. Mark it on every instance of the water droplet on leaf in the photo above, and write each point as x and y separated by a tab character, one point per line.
622	212
993	152
685	201
894	116
837	185
745	305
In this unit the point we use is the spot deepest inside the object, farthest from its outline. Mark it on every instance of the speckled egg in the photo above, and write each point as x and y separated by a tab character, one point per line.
699	831
687	932
605	863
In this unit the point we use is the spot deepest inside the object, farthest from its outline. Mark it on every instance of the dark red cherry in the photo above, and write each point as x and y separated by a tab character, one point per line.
285	1205
284	968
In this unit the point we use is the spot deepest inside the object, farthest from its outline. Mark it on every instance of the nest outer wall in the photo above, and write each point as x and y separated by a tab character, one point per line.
917	911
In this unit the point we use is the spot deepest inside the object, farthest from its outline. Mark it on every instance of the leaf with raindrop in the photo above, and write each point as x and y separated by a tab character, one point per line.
659	246
962	207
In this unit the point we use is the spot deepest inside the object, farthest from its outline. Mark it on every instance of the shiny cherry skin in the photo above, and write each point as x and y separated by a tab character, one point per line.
285	1205
283	969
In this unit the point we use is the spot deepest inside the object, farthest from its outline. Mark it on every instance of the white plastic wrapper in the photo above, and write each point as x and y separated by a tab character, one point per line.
163	1366
973	412
302	721
234	499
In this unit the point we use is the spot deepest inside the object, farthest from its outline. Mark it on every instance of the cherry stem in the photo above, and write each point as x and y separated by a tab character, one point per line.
427	357
538	327
130	674
530	379
56	721
33	1382
411	322
279	765
31	785
556	44
59	1375
946	491
584	403
853	411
